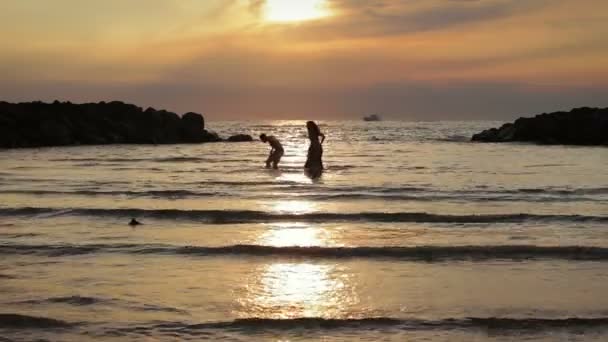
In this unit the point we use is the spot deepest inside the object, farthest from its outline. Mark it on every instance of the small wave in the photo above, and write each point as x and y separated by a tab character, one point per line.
150	193
76	300
419	253
179	159
425	253
443	197
453	138
73	300
30	322
300	191
131	160
88	164
156	308
314	323
87	301
546	165
244	183
18	235
567	192
251	216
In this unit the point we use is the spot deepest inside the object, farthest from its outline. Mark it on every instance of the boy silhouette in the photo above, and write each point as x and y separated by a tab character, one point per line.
276	150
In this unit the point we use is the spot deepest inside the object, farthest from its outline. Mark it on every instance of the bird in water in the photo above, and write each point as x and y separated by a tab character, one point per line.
134	222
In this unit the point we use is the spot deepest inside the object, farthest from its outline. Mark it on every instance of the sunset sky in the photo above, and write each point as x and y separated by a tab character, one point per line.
294	59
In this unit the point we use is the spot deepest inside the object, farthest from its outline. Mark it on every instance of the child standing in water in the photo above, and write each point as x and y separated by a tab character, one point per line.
276	150
314	162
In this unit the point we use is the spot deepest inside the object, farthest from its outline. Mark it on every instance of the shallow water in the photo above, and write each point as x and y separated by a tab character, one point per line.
411	233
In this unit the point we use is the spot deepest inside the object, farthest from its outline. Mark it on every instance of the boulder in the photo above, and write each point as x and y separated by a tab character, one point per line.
192	128
171	124
209	136
240	138
580	126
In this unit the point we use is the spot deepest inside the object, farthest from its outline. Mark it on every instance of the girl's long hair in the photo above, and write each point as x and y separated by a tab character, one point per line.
313	129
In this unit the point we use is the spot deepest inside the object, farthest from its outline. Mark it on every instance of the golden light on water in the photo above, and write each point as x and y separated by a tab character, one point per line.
295	207
294	234
299	289
299	178
295	10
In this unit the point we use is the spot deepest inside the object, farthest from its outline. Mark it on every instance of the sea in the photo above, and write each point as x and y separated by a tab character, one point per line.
412	233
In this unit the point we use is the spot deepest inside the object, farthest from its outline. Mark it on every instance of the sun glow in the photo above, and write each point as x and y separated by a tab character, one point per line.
295	10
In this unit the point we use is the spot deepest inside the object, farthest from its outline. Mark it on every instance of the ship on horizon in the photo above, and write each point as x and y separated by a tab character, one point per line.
373	117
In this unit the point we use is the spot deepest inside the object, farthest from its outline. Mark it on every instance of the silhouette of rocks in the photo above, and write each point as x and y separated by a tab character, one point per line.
240	138
580	126
36	124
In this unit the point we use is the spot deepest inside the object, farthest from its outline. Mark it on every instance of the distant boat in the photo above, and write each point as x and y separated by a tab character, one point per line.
372	117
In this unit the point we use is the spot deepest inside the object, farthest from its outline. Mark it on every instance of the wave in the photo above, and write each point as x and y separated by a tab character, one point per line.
314	323
453	138
77	300
417	253
455	196
133	160
19	321
30	322
17	235
73	300
252	216
149	193
294	190
568	192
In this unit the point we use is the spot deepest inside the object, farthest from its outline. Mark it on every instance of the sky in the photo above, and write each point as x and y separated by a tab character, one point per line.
310	59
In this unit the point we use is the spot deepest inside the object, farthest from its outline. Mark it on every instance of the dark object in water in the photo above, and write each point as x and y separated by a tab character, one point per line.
134	222
372	117
580	126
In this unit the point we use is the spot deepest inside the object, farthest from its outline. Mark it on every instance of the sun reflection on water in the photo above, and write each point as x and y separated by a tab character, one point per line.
294	289
295	177
294	234
294	207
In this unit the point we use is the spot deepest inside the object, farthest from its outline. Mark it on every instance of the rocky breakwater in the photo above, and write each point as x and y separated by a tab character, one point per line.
35	124
580	126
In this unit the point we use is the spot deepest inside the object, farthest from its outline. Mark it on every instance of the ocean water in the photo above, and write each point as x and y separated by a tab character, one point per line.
412	233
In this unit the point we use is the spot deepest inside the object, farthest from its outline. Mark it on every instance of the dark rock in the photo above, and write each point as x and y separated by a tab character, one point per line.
210	136
194	119
35	124
193	128
240	138
8	131
580	126
172	130
54	133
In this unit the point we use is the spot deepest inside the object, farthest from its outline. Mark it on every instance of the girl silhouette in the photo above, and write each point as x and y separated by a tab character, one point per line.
314	162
